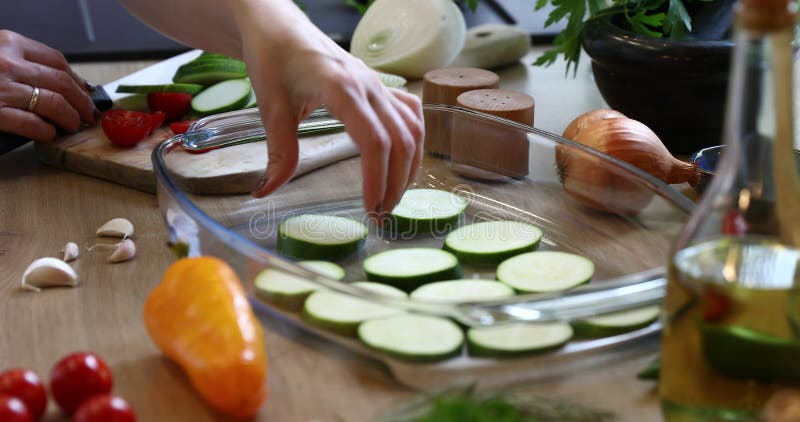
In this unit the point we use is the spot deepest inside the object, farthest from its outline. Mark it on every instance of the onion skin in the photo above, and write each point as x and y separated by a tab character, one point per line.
586	119
605	188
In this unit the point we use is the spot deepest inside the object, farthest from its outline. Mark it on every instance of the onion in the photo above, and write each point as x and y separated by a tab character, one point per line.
409	37
595	183
585	119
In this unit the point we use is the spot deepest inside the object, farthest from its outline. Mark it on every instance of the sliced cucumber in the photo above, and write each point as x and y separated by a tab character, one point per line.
391	80
212	56
545	271
616	323
455	291
413	337
343	313
288	291
425	211
410	268
151	89
381	289
517	339
224	96
491	242
251	101
318	236
741	352
210	71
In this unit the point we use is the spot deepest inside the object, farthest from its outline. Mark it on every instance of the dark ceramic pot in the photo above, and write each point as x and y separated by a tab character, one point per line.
676	87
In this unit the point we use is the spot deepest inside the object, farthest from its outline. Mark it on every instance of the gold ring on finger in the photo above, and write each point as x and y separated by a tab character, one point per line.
34	99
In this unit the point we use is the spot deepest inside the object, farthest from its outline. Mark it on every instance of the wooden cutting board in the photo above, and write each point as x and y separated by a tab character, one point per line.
222	171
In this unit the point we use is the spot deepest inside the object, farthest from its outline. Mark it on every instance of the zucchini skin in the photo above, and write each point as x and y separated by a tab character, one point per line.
293	302
408	284
346	329
488	259
406	228
477	350
210	71
586	329
300	249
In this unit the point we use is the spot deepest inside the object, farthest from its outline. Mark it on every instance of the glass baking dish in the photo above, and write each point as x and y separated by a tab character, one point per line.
585	202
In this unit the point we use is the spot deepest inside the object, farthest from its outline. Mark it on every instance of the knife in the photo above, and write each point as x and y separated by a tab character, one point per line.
10	141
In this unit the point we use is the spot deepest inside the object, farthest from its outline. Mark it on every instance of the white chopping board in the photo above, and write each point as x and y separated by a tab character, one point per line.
222	171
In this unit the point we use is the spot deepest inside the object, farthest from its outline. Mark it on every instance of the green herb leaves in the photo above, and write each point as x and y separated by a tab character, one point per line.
653	18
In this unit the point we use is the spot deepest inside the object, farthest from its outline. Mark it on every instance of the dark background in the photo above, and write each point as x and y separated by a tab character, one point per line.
103	30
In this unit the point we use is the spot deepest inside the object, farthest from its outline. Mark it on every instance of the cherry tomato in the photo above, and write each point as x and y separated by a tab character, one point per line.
174	104
734	223
126	128
181	126
25	385
156	120
13	409
105	408
78	376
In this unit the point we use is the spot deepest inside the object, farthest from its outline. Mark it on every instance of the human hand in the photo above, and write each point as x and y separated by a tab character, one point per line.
63	97
294	69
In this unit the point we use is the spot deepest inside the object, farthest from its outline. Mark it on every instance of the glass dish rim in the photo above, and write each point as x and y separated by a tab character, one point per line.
251	249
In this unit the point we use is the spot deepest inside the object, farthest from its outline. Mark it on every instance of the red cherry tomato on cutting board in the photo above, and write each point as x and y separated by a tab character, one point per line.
105	408
174	104
13	409
126	128
25	385
77	377
156	120
180	126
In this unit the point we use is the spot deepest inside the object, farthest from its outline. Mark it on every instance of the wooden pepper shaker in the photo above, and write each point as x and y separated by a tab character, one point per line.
443	86
493	148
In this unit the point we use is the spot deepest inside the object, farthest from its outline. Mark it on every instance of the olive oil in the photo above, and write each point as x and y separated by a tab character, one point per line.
729	340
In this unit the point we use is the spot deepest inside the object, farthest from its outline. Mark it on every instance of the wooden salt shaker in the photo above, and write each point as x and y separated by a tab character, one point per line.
492	148
443	86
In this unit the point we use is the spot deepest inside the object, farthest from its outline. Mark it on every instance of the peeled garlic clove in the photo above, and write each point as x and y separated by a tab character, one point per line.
69	252
116	227
123	251
48	272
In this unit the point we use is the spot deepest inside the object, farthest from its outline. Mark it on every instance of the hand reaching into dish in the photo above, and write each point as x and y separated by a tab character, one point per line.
295	68
39	91
298	70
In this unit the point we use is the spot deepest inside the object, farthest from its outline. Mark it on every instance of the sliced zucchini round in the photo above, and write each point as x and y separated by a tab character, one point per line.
491	242
413	337
517	339
320	236
391	80
154	89
210	71
455	291
224	96
409	268
343	313
740	352
288	291
425	211
617	322
381	289
545	271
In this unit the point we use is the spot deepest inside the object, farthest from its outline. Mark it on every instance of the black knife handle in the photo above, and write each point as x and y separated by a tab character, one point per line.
10	141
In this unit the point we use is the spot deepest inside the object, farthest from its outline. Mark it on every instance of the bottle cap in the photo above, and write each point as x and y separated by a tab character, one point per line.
765	15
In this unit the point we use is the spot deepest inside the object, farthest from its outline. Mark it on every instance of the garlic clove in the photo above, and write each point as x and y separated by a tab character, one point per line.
123	251
69	252
116	227
48	272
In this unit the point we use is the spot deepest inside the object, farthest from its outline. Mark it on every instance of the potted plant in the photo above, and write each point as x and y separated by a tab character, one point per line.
662	62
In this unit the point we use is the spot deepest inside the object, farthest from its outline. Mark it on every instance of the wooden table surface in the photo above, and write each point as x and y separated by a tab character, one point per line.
42	208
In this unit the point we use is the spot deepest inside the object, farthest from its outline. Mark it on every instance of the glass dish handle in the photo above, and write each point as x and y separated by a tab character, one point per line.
625	293
249	130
